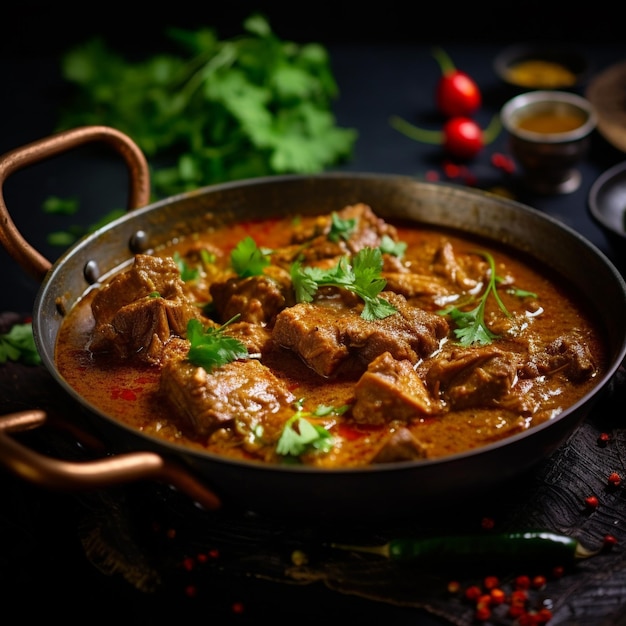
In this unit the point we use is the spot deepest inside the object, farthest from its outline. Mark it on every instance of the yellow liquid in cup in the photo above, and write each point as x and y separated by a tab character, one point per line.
552	122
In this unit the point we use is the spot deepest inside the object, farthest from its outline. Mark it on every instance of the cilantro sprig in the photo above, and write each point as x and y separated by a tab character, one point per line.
300	435
211	347
341	228
362	278
248	259
471	326
19	345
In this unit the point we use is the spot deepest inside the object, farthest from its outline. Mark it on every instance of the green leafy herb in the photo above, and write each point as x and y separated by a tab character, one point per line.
19	345
340	228
363	278
471	327
389	246
299	435
218	110
187	273
60	206
65	238
211	347
248	259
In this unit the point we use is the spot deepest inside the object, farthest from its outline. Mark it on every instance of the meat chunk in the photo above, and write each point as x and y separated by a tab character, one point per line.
473	378
390	390
141	309
569	354
255	299
329	338
402	445
241	392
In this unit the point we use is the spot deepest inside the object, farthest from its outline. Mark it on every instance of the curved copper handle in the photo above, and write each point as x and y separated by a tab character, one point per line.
72	476
139	195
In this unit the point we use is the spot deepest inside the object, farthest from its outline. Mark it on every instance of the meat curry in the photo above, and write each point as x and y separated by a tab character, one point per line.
334	341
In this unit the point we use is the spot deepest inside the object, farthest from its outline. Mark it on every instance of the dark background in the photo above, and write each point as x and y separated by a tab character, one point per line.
47	27
381	56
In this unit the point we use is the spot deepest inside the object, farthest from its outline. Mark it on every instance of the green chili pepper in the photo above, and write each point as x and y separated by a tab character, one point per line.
527	546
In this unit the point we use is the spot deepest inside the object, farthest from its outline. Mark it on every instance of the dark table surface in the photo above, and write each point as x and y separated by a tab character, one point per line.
48	563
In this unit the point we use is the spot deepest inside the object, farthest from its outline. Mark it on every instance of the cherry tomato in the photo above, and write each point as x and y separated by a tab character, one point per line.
462	138
457	95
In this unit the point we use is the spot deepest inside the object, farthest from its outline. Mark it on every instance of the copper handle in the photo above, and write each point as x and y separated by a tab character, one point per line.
30	259
73	476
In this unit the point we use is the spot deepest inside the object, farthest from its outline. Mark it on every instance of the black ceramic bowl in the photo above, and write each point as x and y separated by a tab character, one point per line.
607	205
536	66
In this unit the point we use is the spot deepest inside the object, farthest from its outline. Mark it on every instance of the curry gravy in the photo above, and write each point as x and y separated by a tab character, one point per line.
129	391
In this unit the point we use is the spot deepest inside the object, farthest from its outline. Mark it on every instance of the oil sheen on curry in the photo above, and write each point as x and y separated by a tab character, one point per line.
335	341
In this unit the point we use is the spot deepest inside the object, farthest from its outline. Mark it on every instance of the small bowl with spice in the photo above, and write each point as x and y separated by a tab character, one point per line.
549	135
532	66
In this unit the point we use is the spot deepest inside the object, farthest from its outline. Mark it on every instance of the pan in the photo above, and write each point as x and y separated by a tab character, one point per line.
393	489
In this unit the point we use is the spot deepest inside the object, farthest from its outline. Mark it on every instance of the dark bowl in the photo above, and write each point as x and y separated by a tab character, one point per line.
607	205
536	66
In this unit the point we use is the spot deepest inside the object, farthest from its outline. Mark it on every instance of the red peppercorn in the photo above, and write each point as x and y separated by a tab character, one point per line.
544	615
191	591
603	439
539	582
614	479
558	571
592	502
473	592
522	583
188	563
482	613
609	541
491	582
237	607
487	523
454	586
497	596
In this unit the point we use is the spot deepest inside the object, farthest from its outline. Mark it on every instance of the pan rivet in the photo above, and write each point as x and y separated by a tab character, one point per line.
138	242
91	272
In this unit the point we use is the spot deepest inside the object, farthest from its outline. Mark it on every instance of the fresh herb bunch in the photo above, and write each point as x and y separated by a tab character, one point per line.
244	107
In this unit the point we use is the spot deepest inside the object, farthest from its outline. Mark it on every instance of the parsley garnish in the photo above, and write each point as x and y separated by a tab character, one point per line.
341	228
299	435
248	259
211	347
19	345
471	327
363	278
394	248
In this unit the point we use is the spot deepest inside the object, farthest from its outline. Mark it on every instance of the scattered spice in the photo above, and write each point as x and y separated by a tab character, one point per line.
614	479
592	502
603	439
609	541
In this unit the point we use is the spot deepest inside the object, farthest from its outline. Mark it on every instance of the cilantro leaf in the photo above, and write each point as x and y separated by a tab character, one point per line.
471	326
248	259
19	345
341	228
211	348
299	435
363	278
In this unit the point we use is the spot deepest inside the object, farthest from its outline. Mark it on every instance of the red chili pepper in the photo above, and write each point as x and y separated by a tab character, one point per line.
457	94
461	137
